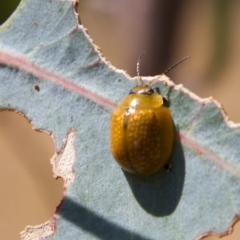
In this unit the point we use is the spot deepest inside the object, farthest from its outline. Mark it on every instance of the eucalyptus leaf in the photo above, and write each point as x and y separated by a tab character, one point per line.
51	72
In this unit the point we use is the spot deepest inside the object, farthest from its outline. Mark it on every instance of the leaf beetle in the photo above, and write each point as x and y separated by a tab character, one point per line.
141	131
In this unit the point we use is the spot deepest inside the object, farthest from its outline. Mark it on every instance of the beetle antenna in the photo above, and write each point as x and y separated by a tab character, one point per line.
139	79
174	65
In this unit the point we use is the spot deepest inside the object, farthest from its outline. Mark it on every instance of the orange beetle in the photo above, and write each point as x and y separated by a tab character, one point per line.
141	133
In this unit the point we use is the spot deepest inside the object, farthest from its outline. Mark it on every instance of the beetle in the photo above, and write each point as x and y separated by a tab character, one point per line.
141	129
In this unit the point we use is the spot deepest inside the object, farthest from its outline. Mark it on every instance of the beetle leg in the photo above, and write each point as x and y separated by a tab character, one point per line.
166	101
168	167
157	89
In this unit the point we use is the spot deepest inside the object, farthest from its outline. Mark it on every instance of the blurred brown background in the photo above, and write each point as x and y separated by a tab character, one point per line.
167	30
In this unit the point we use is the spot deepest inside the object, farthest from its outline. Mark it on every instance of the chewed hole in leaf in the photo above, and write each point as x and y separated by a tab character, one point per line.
28	190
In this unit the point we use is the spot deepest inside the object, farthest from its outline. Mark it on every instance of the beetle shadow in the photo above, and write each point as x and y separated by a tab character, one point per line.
159	194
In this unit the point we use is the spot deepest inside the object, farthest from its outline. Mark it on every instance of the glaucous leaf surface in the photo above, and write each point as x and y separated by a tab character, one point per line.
51	72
